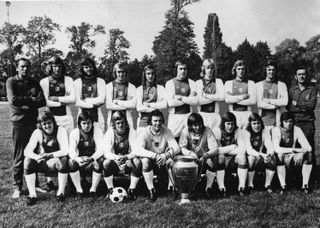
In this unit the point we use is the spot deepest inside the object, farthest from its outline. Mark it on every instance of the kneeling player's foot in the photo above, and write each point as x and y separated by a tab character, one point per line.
61	198
79	195
93	195
241	192
131	194
208	193
283	190
269	189
249	190
31	201
109	193
306	189
222	193
16	194
50	186
152	195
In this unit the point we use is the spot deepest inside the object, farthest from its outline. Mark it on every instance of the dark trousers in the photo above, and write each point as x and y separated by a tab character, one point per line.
20	139
308	129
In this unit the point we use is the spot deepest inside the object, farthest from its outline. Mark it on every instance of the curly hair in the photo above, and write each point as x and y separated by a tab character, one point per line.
88	62
56	60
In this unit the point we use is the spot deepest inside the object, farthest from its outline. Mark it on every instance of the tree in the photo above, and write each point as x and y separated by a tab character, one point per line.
288	54
147	60
262	54
38	35
9	36
312	55
212	37
246	52
116	50
216	49
175	41
82	43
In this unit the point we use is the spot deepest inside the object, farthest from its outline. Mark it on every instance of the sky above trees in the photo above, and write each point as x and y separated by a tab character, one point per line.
141	20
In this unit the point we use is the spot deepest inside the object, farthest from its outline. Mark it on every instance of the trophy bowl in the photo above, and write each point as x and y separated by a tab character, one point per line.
184	174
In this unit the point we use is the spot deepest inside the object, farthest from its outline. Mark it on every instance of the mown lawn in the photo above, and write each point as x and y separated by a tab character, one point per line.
257	210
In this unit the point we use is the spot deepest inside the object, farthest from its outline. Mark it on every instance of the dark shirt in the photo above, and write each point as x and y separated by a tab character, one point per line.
19	93
306	102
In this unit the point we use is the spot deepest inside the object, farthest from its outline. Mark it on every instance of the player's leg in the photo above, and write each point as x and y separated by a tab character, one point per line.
306	171
147	172
281	172
75	175
110	168
242	171
96	175
135	168
221	174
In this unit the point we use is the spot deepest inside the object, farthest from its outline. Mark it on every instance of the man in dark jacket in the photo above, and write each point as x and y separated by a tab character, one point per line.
25	97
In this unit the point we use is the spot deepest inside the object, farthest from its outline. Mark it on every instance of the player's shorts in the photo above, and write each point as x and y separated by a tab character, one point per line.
242	118
211	120
66	122
176	123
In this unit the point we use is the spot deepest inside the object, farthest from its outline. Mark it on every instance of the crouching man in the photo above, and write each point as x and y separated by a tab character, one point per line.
293	150
119	159
46	151
86	154
156	146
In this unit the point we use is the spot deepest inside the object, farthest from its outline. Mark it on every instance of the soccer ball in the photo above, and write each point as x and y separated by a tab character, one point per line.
118	195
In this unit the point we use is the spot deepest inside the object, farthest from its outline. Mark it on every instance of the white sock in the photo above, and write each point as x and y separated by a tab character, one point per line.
281	171
31	184
62	182
269	177
250	178
242	175
109	182
75	177
148	178
134	181
220	179
210	178
306	171
170	178
95	181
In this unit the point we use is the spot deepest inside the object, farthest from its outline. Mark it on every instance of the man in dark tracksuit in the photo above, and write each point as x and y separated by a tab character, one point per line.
302	103
25	97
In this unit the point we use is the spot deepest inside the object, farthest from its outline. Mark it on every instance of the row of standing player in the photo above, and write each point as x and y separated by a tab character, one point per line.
179	94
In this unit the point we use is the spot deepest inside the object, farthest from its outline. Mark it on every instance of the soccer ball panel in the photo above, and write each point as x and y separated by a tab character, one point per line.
118	195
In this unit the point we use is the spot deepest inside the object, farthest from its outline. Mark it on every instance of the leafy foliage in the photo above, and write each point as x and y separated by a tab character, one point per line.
82	42
116	51
175	41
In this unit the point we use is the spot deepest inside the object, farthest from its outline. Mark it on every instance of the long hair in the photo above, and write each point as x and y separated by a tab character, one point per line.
286	116
88	62
155	112
195	118
56	60
271	62
143	79
120	65
237	64
84	116
228	117
119	115
254	117
45	116
208	62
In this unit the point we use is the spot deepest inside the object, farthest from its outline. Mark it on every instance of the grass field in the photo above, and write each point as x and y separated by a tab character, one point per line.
257	210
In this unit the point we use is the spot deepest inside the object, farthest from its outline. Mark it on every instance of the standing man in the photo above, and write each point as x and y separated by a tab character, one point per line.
272	96
181	93
120	93
25	97
302	103
240	93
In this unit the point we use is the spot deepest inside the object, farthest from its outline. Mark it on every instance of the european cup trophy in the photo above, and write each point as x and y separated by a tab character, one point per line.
184	174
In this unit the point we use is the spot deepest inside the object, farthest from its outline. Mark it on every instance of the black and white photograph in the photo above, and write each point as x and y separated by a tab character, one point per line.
160	113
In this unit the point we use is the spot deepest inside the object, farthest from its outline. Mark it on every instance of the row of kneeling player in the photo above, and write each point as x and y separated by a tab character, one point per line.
120	151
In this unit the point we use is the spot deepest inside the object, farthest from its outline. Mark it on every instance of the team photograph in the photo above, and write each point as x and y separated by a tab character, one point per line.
163	130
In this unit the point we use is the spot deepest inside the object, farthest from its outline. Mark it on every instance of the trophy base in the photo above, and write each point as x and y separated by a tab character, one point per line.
184	201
